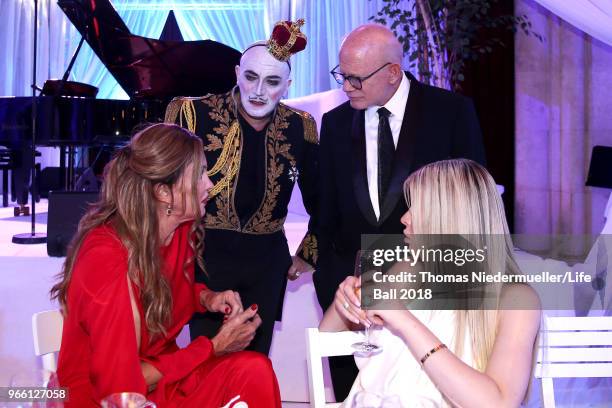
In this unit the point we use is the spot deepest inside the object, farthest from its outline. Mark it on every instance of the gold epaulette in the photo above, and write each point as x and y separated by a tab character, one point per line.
181	111
310	126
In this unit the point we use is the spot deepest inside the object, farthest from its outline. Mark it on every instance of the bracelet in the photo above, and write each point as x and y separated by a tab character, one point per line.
433	350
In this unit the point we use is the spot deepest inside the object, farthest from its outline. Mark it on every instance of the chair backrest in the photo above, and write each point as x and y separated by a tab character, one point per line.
325	344
573	347
47	335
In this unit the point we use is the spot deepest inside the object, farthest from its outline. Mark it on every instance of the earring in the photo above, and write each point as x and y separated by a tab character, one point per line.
169	210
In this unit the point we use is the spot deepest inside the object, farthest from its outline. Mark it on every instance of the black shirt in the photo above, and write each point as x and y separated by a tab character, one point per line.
252	174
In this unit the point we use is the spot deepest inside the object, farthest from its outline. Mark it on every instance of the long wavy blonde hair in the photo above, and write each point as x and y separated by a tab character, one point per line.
459	196
159	154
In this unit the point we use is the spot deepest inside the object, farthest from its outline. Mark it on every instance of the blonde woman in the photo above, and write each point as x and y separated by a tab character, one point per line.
127	289
468	358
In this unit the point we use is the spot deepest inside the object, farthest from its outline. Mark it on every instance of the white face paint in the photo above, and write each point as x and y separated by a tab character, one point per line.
263	80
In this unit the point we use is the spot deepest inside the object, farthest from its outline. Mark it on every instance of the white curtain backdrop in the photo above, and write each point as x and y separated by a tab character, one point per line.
237	24
57	40
594	17
16	44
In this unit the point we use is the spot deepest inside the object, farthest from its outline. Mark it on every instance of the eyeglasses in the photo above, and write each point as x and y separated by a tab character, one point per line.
355	81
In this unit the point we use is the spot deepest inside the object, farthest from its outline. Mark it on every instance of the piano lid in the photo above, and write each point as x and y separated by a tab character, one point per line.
149	68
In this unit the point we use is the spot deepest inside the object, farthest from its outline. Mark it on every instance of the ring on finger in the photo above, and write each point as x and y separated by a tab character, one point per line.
346	305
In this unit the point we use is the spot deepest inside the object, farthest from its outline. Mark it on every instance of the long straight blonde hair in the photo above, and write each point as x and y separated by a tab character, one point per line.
159	154
459	196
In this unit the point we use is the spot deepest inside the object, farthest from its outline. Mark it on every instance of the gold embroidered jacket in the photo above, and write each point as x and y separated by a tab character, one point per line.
291	155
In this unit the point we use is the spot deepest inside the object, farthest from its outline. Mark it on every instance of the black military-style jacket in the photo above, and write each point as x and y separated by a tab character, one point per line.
291	156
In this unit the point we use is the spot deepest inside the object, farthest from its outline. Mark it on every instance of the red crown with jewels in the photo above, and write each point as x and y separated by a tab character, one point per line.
286	39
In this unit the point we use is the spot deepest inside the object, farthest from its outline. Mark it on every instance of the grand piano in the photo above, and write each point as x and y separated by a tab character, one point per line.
150	71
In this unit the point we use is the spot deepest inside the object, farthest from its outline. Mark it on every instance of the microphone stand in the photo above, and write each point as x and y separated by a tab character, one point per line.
33	237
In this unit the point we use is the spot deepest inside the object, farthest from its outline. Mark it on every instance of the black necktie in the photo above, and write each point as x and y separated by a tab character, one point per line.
386	150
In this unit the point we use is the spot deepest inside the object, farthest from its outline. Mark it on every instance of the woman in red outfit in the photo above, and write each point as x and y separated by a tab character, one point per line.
127	289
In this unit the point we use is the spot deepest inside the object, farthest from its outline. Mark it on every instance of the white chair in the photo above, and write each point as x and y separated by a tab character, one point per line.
47	335
325	344
566	350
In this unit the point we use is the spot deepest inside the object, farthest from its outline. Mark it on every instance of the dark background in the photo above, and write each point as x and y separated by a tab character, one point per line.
490	83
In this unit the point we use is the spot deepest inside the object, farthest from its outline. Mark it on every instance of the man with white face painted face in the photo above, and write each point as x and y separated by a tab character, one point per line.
257	149
262	80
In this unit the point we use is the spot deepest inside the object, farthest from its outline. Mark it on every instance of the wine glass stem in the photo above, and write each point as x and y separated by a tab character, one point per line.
367	335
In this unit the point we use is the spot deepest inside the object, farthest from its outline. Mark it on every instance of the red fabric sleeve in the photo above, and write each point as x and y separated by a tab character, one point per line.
197	289
177	365
107	318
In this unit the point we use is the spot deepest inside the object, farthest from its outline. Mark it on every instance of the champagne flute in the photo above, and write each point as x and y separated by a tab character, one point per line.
364	268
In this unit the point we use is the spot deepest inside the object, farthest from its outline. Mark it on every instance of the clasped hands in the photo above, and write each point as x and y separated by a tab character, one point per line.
239	325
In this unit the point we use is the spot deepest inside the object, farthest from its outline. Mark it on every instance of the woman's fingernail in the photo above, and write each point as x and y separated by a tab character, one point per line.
254	306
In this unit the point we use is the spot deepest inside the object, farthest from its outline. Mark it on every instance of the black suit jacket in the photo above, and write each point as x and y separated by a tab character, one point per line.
437	125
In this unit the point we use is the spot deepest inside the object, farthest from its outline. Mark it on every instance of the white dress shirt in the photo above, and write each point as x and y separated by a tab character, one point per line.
396	105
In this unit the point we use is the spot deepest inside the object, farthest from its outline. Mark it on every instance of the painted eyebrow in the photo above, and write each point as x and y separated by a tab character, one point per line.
249	72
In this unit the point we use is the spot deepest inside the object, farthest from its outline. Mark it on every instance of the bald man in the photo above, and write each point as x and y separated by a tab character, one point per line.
257	149
390	126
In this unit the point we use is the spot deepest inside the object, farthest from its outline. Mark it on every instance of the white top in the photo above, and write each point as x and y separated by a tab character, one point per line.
395	374
396	105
